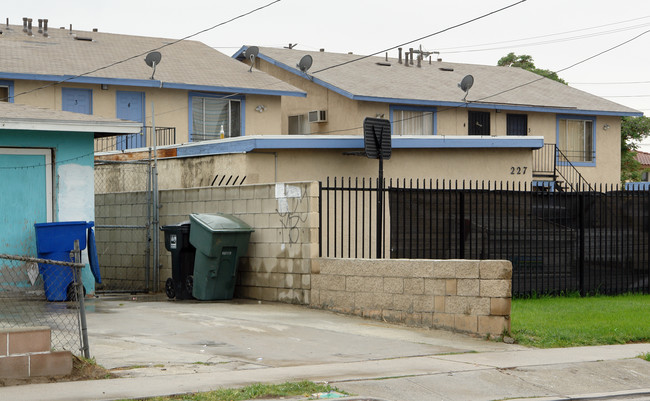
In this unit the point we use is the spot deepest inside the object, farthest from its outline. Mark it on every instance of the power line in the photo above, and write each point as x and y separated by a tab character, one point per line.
571	66
421	38
544	36
546	42
145	53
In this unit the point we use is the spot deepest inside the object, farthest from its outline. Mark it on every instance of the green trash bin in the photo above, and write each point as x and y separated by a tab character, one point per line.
219	239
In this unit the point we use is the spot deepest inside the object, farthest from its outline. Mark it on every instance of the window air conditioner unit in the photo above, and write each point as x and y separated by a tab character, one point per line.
318	116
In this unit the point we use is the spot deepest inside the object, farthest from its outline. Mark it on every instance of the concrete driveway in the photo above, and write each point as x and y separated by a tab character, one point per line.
167	347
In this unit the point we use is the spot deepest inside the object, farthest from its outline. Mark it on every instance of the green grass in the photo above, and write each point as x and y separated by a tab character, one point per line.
254	391
549	322
645	357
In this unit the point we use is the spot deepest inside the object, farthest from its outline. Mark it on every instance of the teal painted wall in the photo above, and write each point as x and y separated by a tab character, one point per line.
22	202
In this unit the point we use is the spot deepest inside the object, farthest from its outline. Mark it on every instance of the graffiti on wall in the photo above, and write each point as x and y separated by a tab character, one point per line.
290	199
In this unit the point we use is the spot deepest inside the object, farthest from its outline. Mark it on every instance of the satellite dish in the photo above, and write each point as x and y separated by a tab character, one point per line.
152	60
251	53
305	63
466	84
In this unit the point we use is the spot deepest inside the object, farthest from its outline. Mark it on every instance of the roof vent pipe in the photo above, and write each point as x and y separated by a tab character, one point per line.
40	25
399	57
7	22
29	26
25	24
411	55
45	28
70	29
419	61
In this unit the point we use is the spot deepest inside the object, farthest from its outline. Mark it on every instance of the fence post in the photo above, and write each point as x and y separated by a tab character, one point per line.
581	244
461	222
80	297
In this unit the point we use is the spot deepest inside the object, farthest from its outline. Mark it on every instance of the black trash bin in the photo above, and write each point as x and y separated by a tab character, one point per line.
177	241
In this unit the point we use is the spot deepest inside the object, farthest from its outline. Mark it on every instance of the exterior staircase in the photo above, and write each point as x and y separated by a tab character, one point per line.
551	166
26	352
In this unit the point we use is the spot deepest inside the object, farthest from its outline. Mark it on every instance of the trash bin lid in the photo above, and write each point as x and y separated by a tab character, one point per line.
220	222
174	227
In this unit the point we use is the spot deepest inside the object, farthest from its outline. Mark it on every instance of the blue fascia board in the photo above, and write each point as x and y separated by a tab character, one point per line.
226	89
250	144
147	83
80	79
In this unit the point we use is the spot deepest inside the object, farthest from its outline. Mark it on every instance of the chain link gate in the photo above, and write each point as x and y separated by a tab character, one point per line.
124	216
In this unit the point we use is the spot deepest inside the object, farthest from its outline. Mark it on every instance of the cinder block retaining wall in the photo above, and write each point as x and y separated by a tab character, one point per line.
468	296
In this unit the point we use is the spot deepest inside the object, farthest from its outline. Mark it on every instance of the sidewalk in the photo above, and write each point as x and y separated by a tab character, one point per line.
179	347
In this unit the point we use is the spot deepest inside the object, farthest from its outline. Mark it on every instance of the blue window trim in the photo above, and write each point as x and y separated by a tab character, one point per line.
242	110
90	91
400	107
10	87
593	137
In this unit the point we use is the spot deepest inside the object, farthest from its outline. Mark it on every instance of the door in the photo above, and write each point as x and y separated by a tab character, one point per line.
77	100
29	201
130	106
517	124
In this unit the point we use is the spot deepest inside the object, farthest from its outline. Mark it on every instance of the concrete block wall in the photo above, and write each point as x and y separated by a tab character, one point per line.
277	266
468	296
25	352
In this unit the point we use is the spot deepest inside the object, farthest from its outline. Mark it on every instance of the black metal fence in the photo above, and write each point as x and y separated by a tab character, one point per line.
587	241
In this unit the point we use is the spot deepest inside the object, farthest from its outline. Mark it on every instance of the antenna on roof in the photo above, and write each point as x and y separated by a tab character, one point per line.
251	53
305	63
152	60
465	85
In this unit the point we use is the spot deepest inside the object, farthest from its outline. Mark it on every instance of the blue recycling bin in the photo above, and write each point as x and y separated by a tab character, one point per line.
55	241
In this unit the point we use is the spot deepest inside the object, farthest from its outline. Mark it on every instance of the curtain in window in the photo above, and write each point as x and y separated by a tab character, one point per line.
408	122
211	115
576	140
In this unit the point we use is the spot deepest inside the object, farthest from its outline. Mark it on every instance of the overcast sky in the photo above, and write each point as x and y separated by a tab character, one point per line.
556	33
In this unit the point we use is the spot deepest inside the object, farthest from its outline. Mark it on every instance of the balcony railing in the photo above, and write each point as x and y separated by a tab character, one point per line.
144	139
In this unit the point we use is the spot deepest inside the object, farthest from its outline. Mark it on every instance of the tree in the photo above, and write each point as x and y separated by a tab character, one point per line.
527	63
633	130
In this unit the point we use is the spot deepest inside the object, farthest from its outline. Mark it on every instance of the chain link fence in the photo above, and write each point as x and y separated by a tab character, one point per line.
123	224
41	292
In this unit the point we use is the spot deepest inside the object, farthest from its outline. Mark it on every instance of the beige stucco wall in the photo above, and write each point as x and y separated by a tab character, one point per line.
345	116
463	295
169	105
317	165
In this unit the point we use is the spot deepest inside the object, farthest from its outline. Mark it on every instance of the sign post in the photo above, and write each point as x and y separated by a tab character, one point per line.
377	145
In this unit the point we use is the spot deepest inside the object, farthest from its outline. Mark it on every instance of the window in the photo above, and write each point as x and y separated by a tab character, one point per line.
298	125
516	124
576	139
6	91
413	120
210	116
478	122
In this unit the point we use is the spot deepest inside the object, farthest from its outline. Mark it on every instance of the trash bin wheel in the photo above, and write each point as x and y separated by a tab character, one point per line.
169	288
189	284
71	292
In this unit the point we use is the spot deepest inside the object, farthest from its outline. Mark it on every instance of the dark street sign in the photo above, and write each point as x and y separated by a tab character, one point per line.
376	138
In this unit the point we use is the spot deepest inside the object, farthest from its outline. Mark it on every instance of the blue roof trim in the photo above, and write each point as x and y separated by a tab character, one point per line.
226	89
249	144
148	83
492	106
